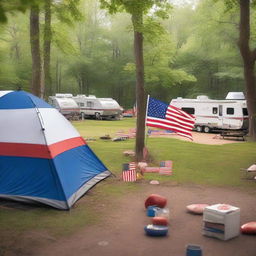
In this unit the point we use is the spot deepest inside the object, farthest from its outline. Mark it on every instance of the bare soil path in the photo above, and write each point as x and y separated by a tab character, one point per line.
122	231
204	138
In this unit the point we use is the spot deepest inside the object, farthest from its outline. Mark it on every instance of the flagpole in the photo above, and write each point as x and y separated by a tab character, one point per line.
146	129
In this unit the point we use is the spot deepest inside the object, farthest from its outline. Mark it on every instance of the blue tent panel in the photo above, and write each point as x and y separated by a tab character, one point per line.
21	100
76	167
26	176
58	182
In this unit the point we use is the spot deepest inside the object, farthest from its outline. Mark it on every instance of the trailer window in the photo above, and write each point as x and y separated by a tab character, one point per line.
81	104
189	110
89	104
245	112
215	110
230	111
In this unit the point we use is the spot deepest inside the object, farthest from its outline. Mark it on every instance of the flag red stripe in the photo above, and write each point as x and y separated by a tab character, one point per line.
185	120
129	175
179	122
167	125
164	126
183	112
179	115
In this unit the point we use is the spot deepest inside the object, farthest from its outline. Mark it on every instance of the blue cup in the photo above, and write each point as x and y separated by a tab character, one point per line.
194	250
151	210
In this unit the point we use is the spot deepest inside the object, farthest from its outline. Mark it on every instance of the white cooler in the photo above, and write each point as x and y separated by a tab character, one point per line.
221	221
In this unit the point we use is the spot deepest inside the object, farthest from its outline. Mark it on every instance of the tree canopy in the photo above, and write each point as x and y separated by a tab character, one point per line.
193	51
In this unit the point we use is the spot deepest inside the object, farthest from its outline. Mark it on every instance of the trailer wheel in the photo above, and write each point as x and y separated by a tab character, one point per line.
98	116
207	129
199	128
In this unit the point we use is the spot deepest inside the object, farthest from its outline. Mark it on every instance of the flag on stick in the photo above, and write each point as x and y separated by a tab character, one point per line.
166	167
129	172
167	163
164	116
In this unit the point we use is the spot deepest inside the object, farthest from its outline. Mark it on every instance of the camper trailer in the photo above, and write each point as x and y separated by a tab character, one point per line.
66	105
98	108
228	114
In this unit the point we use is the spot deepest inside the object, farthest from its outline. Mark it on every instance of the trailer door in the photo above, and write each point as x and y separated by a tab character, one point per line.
232	117
220	117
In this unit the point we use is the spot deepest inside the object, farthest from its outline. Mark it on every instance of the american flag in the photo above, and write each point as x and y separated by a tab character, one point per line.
129	172
166	167
167	163
164	116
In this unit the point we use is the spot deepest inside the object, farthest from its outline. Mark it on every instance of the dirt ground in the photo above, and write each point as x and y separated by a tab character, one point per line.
122	231
204	138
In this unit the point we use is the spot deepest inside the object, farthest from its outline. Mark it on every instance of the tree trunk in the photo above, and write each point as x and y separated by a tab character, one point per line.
140	92
60	78
35	51
47	48
249	58
57	76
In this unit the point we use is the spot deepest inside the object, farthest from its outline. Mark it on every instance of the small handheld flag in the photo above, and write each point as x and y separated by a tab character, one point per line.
166	167
129	172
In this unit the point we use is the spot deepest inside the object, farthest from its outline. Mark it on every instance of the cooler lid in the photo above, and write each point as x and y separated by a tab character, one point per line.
222	208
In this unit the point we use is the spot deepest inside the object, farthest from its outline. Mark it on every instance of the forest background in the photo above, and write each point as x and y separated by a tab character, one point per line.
191	53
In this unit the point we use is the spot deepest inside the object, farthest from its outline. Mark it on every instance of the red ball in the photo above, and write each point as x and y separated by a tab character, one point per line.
156	200
249	228
161	221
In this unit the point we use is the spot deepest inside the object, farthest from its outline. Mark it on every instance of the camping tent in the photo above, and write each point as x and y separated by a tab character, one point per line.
42	156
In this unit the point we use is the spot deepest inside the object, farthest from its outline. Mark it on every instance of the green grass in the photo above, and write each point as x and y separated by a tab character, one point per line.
193	163
95	129
205	164
217	165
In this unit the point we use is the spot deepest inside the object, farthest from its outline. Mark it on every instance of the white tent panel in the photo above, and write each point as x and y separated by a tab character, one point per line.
2	93
20	126
57	127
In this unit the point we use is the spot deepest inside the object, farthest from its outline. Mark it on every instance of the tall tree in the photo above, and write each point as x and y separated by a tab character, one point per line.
47	46
249	58
36	85
137	9
137	21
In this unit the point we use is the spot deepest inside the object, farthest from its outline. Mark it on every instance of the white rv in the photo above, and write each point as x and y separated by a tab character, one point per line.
99	108
228	114
66	105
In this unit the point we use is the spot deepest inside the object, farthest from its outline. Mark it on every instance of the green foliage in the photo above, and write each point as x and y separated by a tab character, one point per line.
133	6
160	72
230	4
15	54
7	6
207	48
192	52
156	8
67	11
62	40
